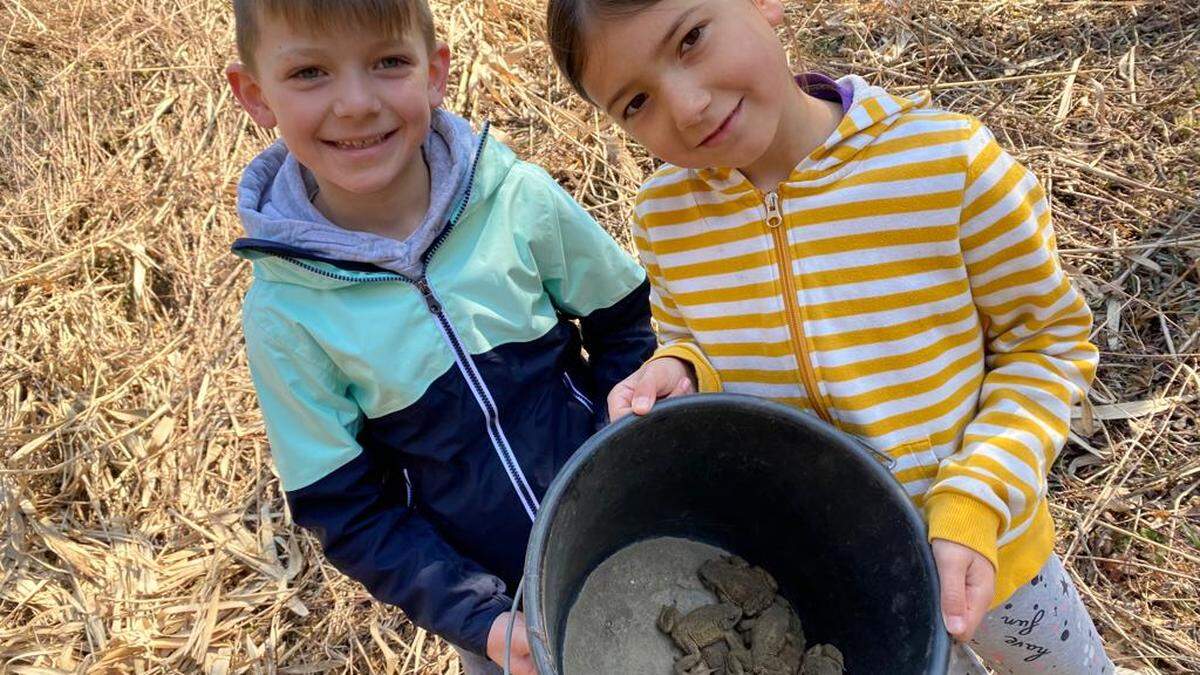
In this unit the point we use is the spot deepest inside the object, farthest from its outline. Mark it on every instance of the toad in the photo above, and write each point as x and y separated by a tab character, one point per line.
735	581
776	642
698	629
823	660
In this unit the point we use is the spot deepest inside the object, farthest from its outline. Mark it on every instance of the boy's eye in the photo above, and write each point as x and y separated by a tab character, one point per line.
635	104
309	73
393	62
693	36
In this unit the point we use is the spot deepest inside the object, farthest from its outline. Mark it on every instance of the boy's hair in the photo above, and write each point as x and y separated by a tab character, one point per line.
393	16
565	25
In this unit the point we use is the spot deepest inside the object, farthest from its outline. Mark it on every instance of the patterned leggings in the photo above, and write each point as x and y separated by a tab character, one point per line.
1042	628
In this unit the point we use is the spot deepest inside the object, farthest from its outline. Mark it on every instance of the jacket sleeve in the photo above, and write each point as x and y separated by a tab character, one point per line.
589	277
360	515
674	336
1039	361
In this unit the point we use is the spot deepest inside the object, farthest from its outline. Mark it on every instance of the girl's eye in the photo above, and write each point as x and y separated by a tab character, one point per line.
309	73
693	36
393	62
635	104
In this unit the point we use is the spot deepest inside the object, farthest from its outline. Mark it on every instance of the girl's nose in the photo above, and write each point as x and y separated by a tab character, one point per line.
355	98
688	105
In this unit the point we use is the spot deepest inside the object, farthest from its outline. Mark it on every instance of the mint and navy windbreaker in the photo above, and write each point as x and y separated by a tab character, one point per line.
416	423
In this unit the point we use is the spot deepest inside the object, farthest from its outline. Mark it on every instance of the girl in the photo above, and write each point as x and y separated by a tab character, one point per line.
879	263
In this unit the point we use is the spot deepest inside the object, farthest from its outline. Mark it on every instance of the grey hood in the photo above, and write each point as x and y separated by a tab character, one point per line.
275	204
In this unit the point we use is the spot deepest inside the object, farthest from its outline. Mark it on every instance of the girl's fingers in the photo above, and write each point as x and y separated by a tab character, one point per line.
683	388
620	399
981	587
645	392
952	575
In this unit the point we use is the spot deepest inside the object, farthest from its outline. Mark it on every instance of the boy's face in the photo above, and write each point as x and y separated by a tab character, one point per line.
699	83
353	106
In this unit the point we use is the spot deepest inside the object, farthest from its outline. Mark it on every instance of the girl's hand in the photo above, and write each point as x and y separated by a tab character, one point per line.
664	377
968	584
521	660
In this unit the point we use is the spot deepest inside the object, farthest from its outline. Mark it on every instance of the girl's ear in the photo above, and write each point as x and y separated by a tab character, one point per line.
772	9
248	92
439	73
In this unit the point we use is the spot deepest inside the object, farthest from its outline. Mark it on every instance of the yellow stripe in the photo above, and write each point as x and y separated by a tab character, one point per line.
693	213
768	289
716	266
882	334
883	364
737	322
921	169
882	303
915	387
880	271
707	238
736	349
919	416
874	208
1039	301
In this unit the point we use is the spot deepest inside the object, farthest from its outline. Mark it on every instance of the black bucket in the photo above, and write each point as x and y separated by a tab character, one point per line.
813	507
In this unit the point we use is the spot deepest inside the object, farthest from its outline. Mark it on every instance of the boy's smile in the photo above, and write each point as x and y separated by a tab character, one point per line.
362	143
354	107
704	83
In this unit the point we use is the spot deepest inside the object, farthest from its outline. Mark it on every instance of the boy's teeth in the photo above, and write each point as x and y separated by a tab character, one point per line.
363	143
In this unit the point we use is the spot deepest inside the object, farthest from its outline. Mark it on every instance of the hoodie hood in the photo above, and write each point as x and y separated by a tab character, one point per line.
870	109
275	204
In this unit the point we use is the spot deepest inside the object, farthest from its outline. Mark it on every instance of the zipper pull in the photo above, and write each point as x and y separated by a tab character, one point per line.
427	293
774	217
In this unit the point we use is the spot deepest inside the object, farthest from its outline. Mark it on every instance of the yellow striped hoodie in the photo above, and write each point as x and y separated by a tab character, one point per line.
903	285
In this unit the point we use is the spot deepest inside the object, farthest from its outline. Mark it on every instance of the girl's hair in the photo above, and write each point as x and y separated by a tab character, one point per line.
566	23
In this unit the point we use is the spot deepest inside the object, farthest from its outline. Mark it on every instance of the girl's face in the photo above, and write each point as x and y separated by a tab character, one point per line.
699	83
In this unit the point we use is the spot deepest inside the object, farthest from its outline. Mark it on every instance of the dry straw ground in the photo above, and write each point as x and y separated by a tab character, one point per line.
143	530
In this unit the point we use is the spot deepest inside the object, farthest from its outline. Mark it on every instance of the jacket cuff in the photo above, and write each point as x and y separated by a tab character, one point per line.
707	379
475	633
964	520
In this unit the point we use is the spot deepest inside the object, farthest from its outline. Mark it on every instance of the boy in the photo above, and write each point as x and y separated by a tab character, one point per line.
409	328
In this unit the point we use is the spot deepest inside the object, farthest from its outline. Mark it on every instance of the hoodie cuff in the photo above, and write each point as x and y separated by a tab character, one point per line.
964	520
707	379
474	635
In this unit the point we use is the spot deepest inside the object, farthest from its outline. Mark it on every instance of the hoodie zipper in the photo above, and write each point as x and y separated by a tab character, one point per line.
795	321
462	358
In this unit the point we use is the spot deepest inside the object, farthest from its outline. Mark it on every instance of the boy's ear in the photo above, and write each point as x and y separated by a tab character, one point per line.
772	10
439	73
248	92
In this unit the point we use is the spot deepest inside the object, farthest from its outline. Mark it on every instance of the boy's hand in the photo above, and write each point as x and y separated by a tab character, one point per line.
968	584
664	377
521	660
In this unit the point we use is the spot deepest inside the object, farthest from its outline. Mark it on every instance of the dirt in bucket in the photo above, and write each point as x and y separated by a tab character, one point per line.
669	605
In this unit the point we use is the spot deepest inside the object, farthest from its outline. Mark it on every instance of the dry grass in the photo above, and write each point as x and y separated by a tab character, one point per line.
143	529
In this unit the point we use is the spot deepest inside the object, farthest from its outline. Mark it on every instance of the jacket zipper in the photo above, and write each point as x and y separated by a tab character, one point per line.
579	395
466	365
483	397
808	377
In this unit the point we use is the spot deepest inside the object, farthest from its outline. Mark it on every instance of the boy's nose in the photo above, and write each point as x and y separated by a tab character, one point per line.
355	98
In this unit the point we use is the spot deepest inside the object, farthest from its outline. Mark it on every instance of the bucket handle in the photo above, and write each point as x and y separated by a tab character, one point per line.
879	455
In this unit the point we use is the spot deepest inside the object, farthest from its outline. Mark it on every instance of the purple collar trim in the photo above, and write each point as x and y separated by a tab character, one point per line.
825	88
